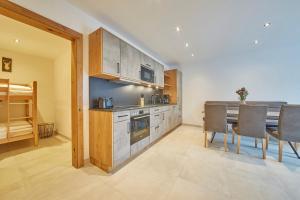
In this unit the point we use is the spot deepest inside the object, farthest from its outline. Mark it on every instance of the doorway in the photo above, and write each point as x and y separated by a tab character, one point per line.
28	17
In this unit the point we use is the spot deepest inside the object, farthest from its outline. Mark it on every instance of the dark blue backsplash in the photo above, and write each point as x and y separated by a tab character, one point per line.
122	94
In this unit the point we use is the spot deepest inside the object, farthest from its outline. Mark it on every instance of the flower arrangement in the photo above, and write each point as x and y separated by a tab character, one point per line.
243	93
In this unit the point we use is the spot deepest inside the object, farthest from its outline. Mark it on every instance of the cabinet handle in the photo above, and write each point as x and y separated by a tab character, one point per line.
118	67
128	127
122	116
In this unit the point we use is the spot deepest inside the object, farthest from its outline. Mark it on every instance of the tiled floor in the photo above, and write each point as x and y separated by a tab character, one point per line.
178	167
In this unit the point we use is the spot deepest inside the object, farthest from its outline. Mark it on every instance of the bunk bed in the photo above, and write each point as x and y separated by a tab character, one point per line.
16	128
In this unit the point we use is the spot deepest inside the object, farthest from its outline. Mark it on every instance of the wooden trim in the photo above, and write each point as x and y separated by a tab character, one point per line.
26	16
34	113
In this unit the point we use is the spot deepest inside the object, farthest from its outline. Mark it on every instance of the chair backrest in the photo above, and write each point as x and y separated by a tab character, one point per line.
252	120
289	123
215	118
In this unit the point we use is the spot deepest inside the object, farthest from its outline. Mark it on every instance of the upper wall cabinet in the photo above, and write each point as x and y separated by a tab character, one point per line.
130	62
112	58
104	55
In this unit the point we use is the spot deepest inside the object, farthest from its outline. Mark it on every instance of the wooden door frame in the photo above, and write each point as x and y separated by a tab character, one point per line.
26	16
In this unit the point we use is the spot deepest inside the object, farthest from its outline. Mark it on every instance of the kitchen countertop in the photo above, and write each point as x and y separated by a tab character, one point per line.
133	107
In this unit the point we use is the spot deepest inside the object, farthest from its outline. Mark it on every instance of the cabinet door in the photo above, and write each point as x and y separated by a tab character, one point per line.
147	61
111	54
130	62
121	147
166	122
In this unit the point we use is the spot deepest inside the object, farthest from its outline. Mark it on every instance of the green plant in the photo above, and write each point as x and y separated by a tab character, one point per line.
243	93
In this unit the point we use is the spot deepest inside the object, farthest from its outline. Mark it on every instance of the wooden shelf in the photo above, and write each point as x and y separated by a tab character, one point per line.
168	85
19	118
21	103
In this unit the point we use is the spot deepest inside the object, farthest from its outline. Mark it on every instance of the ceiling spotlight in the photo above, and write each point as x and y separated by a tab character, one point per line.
193	55
156	87
255	41
267	24
149	86
178	29
17	41
186	44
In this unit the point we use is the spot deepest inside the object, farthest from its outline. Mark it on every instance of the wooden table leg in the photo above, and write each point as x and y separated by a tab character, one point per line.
264	148
238	144
205	139
280	149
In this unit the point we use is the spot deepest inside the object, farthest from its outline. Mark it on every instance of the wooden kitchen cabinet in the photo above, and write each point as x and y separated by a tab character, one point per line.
173	86
109	138
104	55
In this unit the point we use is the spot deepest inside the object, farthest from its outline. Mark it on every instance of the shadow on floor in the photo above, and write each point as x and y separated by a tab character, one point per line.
24	146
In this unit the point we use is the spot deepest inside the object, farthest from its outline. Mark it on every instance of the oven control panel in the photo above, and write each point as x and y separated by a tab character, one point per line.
139	112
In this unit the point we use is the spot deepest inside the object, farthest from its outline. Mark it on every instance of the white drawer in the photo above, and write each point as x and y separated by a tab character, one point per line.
121	116
155	110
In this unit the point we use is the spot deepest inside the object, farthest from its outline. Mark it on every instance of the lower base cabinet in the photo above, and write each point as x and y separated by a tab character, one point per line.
110	134
121	147
139	146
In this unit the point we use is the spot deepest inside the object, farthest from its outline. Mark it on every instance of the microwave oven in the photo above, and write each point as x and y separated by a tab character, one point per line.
147	74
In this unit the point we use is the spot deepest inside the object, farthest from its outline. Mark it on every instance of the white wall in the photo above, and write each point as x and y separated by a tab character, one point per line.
67	15
27	68
268	74
62	93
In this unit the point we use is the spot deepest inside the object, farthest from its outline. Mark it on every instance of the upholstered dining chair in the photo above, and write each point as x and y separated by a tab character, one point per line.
215	121
251	123
288	127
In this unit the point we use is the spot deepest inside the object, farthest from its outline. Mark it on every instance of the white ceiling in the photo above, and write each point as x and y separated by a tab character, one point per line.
213	28
32	40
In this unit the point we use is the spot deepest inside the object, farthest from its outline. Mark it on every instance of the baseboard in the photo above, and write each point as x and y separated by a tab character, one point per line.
58	133
194	125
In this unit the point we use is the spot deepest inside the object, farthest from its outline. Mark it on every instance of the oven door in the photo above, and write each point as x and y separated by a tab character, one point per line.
140	128
147	74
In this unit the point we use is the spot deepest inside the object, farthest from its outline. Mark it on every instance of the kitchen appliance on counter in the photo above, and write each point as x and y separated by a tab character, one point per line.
166	99
105	103
140	129
147	74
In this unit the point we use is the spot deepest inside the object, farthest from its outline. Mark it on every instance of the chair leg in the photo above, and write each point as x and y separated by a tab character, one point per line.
225	142
205	139
264	147
280	148
267	141
255	143
232	139
238	144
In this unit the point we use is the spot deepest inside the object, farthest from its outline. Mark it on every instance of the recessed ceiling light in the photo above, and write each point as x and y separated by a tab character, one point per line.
178	29
17	41
149	86
186	44
267	24
255	41
193	55
157	87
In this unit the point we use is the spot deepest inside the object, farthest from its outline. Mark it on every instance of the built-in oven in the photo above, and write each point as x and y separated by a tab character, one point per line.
140	125
147	74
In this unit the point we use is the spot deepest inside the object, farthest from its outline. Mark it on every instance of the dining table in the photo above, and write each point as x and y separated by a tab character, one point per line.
271	121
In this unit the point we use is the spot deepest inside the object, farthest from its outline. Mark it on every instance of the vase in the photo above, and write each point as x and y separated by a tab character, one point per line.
242	101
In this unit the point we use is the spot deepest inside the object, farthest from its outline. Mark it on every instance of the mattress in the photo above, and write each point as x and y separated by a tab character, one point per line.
17	89
16	128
